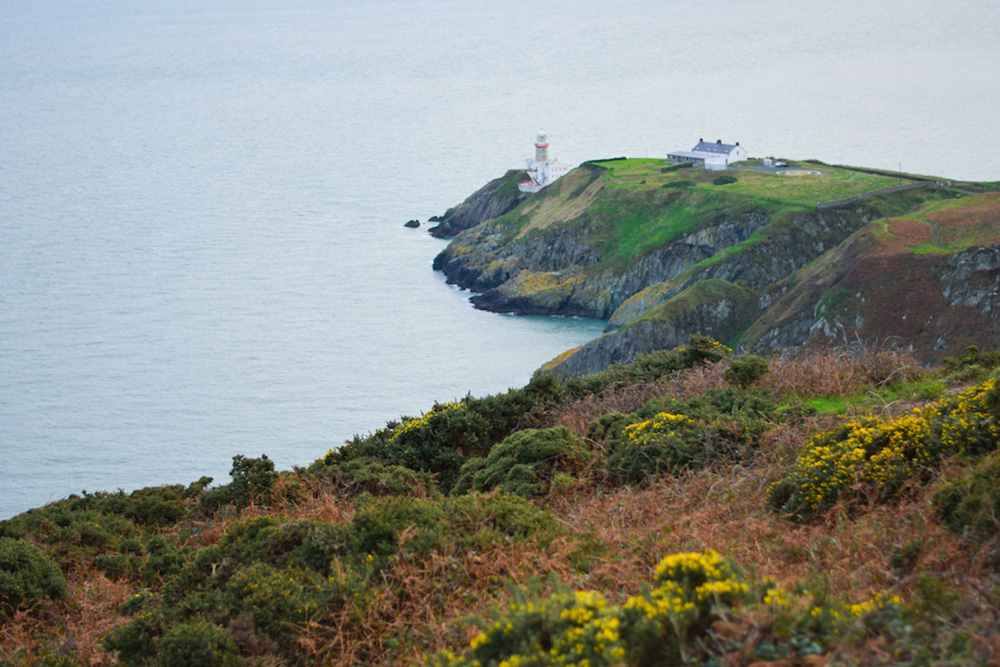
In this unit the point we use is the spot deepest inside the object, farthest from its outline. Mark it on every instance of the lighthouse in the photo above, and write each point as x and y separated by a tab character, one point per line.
541	147
542	170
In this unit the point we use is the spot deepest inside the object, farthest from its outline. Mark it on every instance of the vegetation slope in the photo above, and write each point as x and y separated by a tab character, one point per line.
690	507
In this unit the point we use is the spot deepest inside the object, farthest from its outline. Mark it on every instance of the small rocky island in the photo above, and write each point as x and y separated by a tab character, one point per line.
759	256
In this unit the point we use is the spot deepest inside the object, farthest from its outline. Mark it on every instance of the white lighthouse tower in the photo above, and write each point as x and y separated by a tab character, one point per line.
542	170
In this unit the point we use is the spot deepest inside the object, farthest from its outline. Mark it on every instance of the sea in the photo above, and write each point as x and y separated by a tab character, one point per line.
202	251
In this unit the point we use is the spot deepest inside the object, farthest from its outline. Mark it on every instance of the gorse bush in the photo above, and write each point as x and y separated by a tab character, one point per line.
26	575
440	441
524	463
668	435
368	475
280	602
289	577
198	644
875	459
744	371
971	360
725	179
661	626
665	443
680	619
253	480
971	503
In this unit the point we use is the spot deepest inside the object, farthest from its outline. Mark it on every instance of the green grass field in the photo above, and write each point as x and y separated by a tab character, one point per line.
833	183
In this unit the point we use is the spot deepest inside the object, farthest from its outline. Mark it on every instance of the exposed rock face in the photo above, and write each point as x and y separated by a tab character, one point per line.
714	306
480	260
781	249
972	279
935	306
494	199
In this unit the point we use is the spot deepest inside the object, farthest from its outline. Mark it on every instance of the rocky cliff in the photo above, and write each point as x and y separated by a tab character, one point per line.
664	253
490	201
926	282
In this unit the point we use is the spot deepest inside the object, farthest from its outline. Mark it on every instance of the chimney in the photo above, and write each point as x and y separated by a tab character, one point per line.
718	141
737	143
701	140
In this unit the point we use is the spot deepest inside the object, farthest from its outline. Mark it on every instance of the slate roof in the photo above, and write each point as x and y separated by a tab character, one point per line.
718	149
687	154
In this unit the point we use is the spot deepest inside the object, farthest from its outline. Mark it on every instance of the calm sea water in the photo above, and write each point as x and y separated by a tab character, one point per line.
201	251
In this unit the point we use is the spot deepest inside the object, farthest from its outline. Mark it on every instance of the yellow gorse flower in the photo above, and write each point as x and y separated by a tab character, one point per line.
883	454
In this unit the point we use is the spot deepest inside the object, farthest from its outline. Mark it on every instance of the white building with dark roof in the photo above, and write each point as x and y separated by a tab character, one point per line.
711	156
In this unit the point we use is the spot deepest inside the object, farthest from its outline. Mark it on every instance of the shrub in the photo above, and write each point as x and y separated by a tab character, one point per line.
678	184
438	441
676	167
198	644
744	371
608	426
134	644
383	527
304	544
725	179
253	480
369	475
477	521
524	463
282	601
157	506
215	499
666	625
377	524
665	443
972	502
26	574
972	358
163	559
195	488
667	435
699	609
874	459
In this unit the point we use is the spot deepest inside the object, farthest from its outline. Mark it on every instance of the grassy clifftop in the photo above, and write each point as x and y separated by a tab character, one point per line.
630	206
690	508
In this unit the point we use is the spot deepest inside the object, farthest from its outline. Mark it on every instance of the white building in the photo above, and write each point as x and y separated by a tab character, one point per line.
542	170
717	156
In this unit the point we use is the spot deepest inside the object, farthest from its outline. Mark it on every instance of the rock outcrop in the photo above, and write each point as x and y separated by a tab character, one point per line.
494	199
710	306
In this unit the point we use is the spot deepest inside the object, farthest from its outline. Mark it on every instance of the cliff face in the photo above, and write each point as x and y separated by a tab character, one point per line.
934	304
490	201
664	254
713	306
